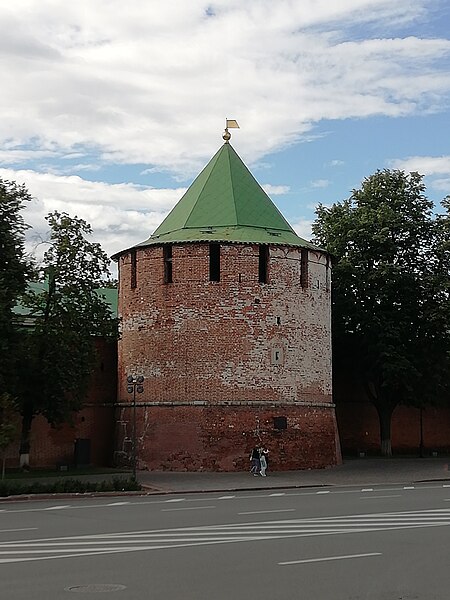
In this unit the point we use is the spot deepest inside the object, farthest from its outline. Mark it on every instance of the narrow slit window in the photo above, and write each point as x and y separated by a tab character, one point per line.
276	356
214	262
304	268
263	264
167	253
133	270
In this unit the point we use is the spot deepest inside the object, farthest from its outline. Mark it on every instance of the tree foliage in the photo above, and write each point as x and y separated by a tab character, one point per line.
391	325
67	313
15	268
8	425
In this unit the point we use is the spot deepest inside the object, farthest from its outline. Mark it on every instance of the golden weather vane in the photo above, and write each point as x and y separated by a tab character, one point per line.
229	124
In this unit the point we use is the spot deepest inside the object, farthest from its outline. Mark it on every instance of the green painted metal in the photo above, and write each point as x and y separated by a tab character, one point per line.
226	203
109	295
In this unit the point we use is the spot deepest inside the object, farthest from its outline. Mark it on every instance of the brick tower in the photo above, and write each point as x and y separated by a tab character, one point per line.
226	313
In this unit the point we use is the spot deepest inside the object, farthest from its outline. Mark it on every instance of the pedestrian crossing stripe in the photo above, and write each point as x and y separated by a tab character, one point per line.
134	541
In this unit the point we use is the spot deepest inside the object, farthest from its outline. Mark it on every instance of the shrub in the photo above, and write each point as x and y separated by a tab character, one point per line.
67	486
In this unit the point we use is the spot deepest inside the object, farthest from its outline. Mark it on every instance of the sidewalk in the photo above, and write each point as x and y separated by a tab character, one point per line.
354	472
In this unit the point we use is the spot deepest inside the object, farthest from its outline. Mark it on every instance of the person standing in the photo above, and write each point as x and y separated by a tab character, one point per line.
264	460
256	465
262	463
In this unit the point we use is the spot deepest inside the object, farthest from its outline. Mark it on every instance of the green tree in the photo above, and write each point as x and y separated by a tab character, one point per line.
67	314
391	328
8	425
15	268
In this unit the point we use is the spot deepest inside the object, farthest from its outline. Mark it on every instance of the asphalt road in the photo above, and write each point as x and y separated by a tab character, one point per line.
350	543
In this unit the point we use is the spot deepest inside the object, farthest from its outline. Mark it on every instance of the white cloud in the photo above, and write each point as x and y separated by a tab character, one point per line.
426	165
121	215
302	227
320	183
337	163
11	157
442	185
150	82
275	190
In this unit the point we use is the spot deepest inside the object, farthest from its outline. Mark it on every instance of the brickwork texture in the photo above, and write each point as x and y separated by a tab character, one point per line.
221	359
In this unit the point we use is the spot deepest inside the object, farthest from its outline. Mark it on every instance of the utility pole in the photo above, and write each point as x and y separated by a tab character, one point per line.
134	384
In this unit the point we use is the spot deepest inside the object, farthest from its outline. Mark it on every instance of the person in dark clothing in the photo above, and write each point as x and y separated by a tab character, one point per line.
256	465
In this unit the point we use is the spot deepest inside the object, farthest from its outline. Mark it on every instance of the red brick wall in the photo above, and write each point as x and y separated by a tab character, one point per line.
51	446
359	428
197	341
218	438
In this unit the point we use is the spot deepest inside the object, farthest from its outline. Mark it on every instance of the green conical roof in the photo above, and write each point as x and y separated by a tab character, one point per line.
226	203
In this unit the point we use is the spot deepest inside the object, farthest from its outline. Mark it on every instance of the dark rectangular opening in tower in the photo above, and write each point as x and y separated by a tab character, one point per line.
263	264
304	268
280	423
167	253
133	269
214	262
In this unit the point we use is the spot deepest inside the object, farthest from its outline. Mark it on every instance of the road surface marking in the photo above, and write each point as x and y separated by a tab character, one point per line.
176	500
325	558
377	497
367	490
226	497
277	494
118	503
323	492
182	537
57	507
186	508
22	529
408	487
259	512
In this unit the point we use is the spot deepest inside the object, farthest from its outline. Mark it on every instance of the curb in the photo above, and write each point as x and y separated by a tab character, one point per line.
149	490
146	491
74	496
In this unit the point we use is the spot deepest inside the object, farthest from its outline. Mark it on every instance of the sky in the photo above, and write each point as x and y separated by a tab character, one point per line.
108	109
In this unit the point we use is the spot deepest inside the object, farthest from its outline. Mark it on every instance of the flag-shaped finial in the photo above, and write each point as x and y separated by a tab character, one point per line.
230	124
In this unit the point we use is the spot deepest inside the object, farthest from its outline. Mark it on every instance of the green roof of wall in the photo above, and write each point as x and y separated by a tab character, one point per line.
109	295
225	203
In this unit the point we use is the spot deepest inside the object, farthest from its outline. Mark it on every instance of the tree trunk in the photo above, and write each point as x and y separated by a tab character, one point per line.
385	416
24	451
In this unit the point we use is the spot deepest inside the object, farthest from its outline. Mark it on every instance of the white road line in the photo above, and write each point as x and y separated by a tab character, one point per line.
408	487
325	558
57	507
376	497
239	497
259	512
118	503
22	529
186	508
182	537
367	490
